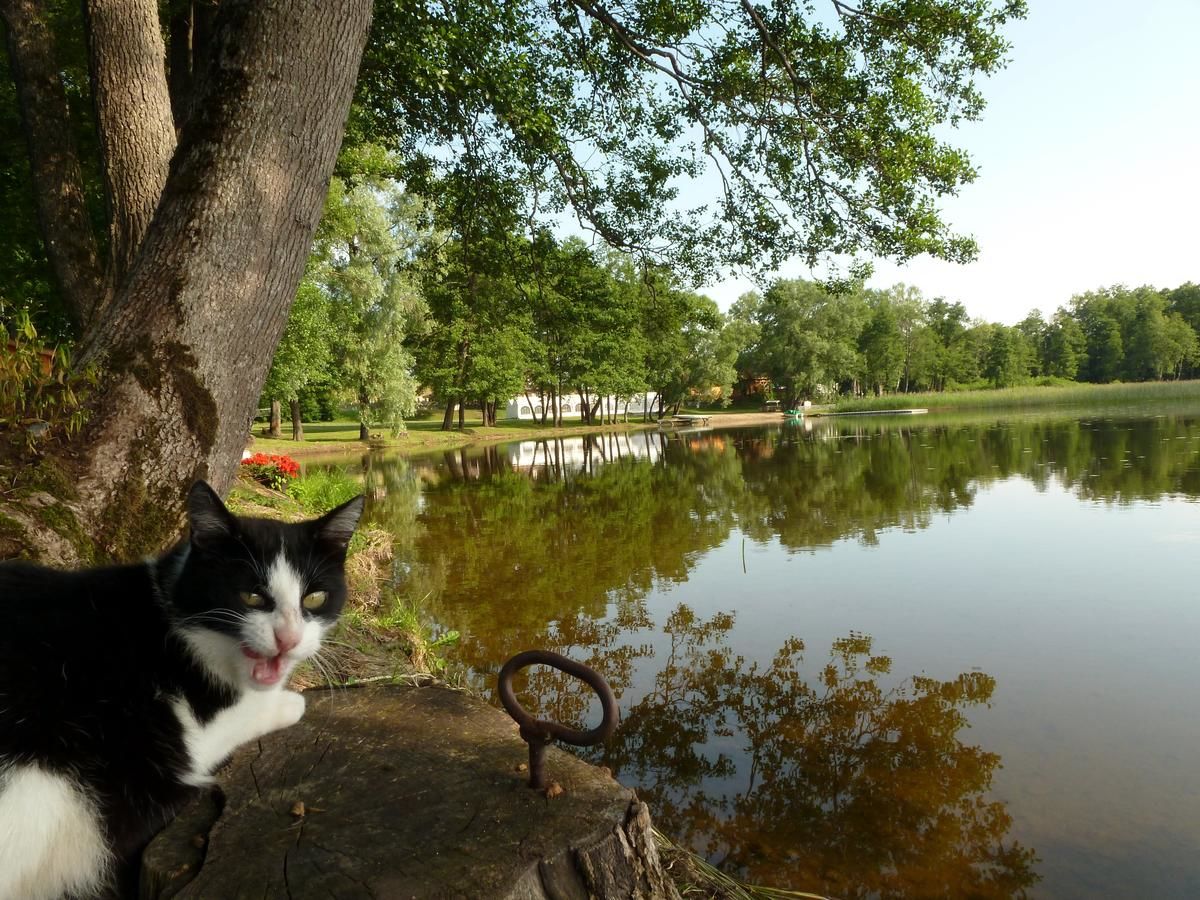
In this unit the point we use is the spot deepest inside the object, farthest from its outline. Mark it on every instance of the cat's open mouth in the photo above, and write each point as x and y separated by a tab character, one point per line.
267	670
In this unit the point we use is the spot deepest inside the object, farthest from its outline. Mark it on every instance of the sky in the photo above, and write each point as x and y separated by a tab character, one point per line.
1088	157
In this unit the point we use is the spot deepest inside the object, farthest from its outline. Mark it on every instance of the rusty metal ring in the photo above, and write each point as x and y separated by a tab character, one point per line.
553	730
537	733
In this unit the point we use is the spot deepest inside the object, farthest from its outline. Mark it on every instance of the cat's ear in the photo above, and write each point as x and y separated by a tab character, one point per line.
337	526
208	518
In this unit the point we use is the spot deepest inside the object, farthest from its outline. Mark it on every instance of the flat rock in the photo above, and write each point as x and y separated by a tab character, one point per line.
405	792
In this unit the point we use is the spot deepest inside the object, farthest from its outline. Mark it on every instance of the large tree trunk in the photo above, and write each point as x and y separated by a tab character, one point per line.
133	117
54	163
187	341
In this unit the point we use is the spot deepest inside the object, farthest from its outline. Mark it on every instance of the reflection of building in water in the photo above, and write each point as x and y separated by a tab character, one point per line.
584	452
572	406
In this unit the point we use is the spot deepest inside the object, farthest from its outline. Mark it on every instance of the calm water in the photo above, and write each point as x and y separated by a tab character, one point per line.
899	658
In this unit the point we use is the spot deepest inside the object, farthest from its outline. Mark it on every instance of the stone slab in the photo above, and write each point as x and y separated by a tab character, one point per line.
405	792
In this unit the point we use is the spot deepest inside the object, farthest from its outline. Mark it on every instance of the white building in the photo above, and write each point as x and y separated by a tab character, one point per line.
530	407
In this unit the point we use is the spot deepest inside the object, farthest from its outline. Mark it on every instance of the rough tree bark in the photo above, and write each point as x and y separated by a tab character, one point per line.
186	340
54	163
297	422
127	58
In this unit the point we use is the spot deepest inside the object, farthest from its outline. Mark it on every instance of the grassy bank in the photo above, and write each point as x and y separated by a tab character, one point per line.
1076	395
420	436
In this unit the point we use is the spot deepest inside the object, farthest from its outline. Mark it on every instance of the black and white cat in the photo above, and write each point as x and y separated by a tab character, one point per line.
123	689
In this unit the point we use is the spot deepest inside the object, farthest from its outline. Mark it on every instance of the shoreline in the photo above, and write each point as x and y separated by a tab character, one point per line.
416	441
421	440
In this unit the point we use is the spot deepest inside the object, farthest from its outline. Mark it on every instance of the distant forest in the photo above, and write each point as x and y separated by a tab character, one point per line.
809	343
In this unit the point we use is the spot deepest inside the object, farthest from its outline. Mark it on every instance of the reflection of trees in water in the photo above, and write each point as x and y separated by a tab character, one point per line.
854	480
840	785
523	560
612	522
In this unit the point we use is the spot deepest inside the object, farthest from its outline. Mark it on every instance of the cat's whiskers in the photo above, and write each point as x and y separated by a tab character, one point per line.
252	561
332	643
217	612
320	666
216	616
325	665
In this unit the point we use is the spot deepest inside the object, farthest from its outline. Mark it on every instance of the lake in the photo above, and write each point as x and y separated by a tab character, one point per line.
895	657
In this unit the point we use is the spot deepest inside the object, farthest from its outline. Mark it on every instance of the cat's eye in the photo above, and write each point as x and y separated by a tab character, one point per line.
315	600
254	601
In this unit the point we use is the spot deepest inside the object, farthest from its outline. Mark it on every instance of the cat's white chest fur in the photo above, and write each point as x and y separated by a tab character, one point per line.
255	714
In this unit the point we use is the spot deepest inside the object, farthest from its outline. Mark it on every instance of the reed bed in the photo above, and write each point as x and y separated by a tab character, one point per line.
1031	396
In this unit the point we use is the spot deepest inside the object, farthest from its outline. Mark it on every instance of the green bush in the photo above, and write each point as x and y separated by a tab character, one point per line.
40	396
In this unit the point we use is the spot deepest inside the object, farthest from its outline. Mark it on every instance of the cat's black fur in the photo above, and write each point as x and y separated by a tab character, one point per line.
89	660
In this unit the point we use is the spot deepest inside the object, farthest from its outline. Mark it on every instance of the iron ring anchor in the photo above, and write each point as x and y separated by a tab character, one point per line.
538	733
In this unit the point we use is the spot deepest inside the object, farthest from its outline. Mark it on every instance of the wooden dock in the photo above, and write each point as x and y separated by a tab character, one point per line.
686	421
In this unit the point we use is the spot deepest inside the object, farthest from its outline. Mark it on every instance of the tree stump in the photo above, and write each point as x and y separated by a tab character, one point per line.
406	792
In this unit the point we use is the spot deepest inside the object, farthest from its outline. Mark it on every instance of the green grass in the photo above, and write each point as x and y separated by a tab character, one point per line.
1143	393
422	435
320	490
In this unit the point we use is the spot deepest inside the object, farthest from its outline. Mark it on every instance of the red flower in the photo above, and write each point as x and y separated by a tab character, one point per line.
272	469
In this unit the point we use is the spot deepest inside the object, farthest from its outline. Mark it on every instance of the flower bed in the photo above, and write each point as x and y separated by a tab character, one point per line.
272	470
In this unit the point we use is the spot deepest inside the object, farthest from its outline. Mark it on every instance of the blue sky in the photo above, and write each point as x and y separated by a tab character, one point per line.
1089	163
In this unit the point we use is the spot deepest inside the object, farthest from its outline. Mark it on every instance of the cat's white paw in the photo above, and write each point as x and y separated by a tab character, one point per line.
289	707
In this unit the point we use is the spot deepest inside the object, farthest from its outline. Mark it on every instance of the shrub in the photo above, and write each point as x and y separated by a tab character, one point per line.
272	469
40	396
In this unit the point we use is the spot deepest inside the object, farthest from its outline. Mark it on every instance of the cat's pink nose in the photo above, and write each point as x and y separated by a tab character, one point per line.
286	641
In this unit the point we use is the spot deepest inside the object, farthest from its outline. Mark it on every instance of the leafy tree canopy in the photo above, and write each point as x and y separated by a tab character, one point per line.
820	125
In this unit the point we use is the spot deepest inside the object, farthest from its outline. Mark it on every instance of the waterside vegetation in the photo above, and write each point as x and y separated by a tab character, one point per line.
1052	393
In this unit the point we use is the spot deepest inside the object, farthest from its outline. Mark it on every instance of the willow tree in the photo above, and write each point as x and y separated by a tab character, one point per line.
217	125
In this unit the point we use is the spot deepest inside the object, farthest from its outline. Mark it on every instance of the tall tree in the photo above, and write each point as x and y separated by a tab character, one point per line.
1065	347
882	345
368	237
1033	329
1006	360
951	362
1148	349
809	337
200	299
825	134
303	355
